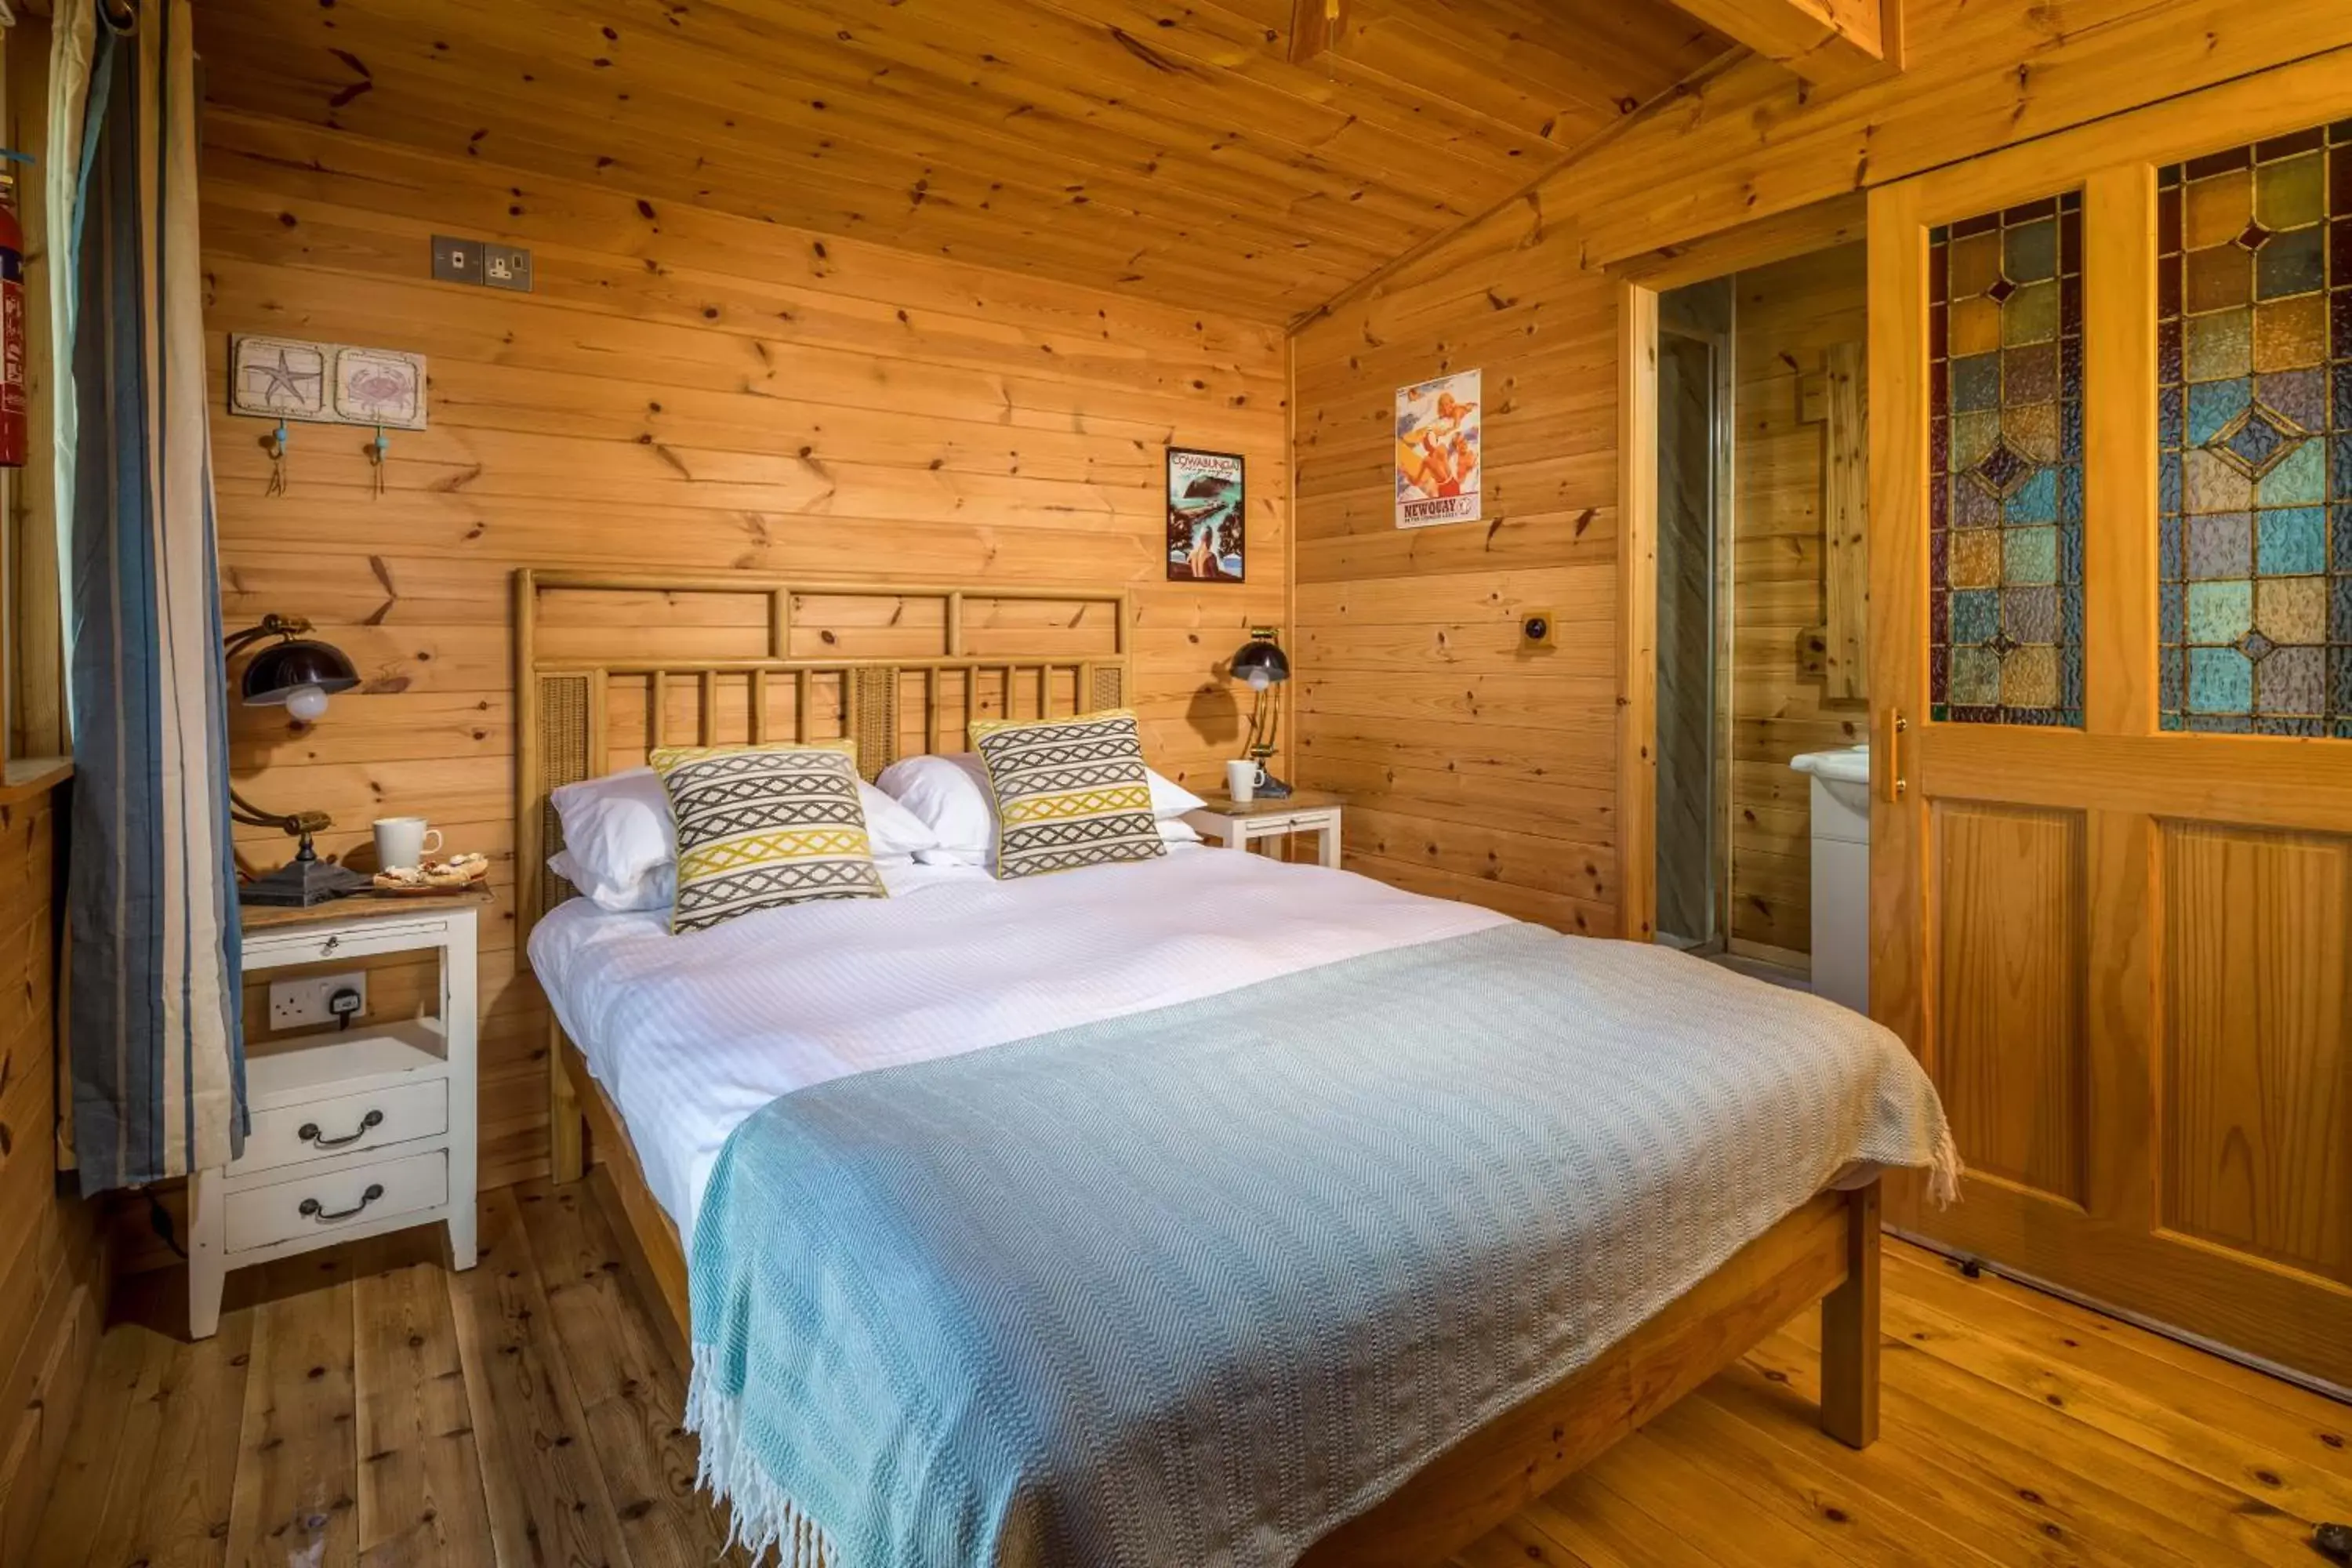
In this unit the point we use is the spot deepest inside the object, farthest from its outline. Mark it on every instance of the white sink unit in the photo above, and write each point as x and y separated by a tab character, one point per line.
1841	873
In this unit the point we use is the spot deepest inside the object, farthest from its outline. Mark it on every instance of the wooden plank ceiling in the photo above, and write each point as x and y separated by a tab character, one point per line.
1174	150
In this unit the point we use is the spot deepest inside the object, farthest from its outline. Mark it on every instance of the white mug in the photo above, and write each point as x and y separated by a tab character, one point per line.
400	842
1242	778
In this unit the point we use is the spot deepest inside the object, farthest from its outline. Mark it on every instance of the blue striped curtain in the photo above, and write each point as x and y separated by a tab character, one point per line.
158	1060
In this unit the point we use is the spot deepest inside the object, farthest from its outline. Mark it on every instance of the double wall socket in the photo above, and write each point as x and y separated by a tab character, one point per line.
456	260
308	1001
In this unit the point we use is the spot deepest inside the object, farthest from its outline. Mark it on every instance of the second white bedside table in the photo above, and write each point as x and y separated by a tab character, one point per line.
356	1131
1239	826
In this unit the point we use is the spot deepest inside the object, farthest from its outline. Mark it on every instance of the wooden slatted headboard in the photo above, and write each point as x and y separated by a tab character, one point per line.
610	665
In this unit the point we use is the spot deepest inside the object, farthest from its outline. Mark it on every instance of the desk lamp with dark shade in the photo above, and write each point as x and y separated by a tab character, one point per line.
298	674
1264	667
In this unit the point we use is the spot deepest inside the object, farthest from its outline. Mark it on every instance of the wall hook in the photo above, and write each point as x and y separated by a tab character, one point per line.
276	443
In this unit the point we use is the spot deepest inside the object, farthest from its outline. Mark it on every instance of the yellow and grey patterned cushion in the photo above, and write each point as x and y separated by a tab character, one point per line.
761	827
1069	792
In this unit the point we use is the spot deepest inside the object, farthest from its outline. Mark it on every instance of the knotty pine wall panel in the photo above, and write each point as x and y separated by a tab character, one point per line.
685	388
1178	153
53	1279
1474	767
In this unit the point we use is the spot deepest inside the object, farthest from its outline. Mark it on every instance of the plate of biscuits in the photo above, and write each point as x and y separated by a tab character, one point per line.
454	875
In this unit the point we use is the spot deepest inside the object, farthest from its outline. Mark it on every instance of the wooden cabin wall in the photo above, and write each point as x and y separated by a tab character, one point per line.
1474	768
683	389
1489	772
1789	315
53	1275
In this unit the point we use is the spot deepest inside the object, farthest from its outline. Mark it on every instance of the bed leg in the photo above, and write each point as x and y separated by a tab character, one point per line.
1849	1330
567	1153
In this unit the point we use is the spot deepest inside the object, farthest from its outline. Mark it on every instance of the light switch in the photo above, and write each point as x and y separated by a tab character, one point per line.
456	260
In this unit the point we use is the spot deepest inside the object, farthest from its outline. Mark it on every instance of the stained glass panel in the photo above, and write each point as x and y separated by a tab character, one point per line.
2254	431
2005	451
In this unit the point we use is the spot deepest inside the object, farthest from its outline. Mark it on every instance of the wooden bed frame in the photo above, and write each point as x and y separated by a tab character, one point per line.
916	665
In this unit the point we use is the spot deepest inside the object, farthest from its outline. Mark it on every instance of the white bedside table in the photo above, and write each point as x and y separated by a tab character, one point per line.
356	1131
1237	827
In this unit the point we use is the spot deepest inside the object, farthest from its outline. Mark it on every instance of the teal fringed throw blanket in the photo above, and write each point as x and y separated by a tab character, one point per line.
1194	1285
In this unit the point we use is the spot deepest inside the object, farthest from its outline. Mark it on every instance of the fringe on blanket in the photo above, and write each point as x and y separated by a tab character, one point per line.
760	1516
1945	1169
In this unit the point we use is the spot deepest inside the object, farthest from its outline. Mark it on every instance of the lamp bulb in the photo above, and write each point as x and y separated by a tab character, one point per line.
1259	680
306	704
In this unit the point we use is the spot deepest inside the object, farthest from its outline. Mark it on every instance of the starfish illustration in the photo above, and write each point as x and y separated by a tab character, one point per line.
282	378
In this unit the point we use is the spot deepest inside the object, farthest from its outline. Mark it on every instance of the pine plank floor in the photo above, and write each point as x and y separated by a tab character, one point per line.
366	1407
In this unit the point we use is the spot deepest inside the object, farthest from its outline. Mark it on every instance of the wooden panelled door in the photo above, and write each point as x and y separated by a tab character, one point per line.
2111	643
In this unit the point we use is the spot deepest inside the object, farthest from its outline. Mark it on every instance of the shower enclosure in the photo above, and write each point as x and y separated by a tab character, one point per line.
1695	441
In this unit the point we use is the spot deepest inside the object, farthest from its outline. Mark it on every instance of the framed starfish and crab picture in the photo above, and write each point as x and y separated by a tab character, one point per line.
285	378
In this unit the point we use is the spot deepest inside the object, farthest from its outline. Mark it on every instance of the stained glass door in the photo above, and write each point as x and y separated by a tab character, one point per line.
2111	649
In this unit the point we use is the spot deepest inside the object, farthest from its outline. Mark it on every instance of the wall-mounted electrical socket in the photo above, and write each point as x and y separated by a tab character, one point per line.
456	260
506	267
1536	630
314	1001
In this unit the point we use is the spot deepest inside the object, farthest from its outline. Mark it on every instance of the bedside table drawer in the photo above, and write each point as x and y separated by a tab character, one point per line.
290	1134
343	1195
270	948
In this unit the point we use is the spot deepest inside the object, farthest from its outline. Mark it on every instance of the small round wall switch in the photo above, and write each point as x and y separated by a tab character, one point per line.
1536	629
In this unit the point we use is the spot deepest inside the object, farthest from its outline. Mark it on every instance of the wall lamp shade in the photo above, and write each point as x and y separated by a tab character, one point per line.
1260	663
299	675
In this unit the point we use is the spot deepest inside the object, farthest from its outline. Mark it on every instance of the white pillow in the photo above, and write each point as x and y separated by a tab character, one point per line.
950	792
896	834
1170	800
617	840
621	850
656	890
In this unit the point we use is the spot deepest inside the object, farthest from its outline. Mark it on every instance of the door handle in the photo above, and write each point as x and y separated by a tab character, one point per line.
1897	726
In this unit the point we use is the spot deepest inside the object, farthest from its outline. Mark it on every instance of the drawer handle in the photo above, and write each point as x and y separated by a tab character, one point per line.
329	1216
308	1131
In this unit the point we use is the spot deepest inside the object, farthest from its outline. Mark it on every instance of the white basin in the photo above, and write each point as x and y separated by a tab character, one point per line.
1840	887
1847	764
1845	776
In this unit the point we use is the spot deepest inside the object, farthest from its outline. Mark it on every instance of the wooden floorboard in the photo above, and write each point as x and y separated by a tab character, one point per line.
369	1407
296	1497
420	1497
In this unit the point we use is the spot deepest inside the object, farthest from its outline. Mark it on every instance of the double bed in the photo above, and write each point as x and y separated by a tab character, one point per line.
1452	1203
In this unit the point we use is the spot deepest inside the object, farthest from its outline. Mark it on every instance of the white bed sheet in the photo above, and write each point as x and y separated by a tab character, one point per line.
690	1035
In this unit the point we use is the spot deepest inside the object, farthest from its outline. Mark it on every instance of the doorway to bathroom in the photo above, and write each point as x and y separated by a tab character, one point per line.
1760	796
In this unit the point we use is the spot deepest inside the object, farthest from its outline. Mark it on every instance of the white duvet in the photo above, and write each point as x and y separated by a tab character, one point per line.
689	1035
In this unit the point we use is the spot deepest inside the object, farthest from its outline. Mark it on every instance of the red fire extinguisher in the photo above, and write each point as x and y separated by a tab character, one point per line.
13	420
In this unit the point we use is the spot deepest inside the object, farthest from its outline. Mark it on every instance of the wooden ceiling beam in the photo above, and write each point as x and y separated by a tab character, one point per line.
1828	43
1316	27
